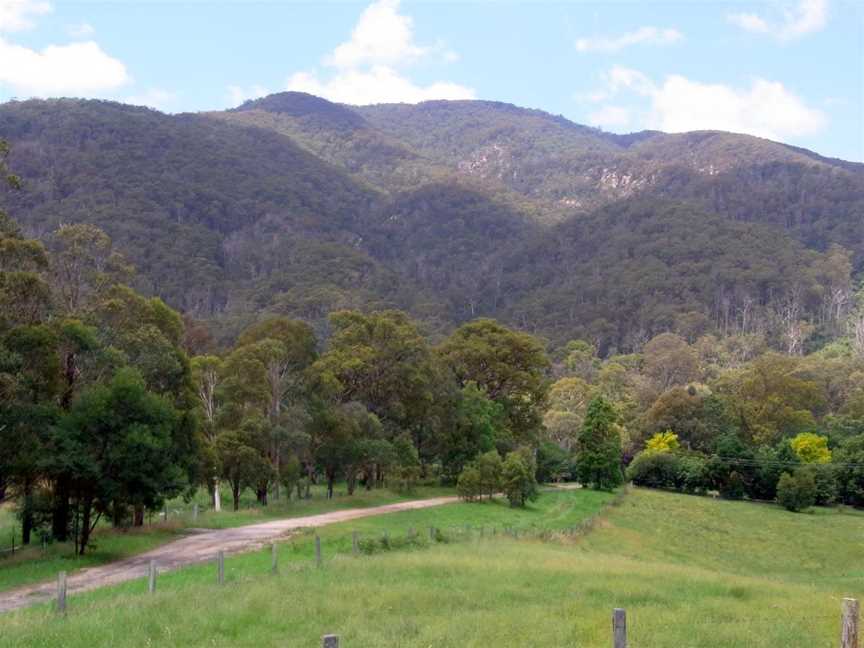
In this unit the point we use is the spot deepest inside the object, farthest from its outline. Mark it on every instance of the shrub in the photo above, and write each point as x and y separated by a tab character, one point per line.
693	474
825	479
731	468
470	485
769	465
518	480
655	470
553	463
796	492
489	467
850	470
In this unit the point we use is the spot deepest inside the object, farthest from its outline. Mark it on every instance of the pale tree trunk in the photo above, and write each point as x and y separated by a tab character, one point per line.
217	499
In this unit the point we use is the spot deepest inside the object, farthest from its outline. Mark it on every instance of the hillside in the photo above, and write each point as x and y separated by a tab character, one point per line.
451	210
689	572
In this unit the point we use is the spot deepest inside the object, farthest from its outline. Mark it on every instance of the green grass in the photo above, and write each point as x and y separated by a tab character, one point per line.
690	572
32	565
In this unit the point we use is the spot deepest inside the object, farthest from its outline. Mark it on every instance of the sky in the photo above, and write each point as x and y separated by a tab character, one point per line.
789	70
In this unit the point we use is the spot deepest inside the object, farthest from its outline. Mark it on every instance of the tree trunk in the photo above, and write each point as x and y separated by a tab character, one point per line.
331	478
27	513
138	516
217	498
84	532
235	493
352	482
60	512
262	495
117	515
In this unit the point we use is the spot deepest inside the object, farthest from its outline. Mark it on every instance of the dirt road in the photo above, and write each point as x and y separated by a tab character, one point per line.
196	548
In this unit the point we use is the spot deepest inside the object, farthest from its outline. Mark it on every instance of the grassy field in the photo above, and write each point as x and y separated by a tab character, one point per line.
32	564
690	572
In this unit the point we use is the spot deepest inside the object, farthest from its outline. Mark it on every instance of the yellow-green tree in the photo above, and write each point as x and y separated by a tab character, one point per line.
811	448
662	442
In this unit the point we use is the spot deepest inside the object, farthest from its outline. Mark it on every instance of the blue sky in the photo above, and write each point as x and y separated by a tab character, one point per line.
791	70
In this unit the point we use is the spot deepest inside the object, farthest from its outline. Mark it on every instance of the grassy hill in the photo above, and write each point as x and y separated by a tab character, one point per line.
690	572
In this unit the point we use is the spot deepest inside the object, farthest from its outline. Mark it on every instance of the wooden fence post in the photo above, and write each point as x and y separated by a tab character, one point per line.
432	534
274	559
61	592
317	551
151	577
220	567
330	641
849	633
619	628
355	543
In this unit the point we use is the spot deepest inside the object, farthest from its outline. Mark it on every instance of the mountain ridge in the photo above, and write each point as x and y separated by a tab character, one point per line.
450	210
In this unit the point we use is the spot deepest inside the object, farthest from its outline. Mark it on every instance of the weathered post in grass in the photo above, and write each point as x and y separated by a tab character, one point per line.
317	551
355	543
432	534
61	592
619	628
274	559
849	632
330	641
220	568
151	577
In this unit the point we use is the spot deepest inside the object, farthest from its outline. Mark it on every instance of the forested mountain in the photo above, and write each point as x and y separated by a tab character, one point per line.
294	205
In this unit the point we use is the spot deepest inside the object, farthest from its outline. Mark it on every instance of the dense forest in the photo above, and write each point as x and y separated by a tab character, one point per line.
295	292
295	206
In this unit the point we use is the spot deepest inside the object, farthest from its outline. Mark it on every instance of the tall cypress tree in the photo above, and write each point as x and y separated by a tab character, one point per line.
598	459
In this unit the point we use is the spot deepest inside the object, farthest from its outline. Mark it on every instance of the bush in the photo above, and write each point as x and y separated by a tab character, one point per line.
850	470
731	468
470	484
825	479
693	474
769	465
655	470
553	463
489	467
796	492
518	481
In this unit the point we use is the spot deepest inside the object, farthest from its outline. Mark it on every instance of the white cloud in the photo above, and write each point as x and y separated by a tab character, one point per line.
157	98
238	94
17	15
641	36
804	18
368	68
377	85
765	108
610	117
78	68
80	30
382	36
